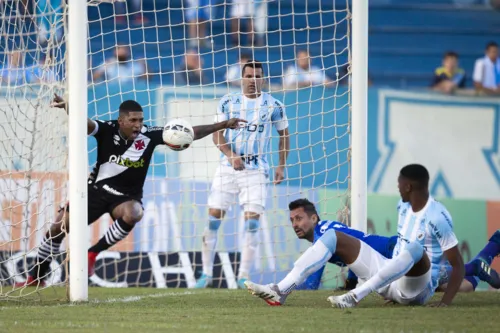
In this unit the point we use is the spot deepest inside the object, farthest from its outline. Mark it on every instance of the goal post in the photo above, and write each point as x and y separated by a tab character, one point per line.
359	115
102	60
78	157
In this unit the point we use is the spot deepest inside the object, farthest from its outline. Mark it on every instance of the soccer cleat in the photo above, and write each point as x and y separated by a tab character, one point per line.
204	281
269	293
241	283
344	301
485	273
30	282
92	257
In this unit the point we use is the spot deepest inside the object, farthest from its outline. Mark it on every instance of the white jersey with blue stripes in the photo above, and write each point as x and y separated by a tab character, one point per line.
253	141
432	227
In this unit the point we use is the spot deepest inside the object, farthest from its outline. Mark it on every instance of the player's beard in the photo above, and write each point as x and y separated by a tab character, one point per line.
300	233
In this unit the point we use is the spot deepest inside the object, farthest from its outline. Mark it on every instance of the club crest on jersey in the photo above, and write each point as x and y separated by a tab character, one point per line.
139	144
420	235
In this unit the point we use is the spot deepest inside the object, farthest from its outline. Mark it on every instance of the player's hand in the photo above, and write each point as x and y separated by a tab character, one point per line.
58	102
234	123
279	175
437	305
237	163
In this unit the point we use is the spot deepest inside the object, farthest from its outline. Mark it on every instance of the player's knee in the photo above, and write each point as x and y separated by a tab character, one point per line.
213	223
133	213
58	231
416	251
252	225
216	213
329	239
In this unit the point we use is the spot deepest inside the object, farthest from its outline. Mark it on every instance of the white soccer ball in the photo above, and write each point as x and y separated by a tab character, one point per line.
178	134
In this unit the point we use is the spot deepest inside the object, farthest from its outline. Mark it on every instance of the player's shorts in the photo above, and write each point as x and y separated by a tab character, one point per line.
101	201
249	185
242	9
198	10
407	290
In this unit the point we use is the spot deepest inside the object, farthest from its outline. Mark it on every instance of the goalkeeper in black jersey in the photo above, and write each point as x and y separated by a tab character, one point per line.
124	150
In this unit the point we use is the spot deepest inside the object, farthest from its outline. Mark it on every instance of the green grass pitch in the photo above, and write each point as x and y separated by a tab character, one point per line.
217	311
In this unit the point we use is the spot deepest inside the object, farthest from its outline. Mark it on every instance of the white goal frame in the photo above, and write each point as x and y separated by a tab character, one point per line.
78	162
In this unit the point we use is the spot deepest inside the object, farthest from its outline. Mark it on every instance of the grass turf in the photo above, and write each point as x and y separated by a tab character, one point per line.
219	311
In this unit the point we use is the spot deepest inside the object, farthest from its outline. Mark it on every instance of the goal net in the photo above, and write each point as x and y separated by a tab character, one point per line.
177	59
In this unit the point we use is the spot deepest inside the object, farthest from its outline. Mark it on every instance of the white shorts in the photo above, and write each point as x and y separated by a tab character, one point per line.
242	9
407	290
249	185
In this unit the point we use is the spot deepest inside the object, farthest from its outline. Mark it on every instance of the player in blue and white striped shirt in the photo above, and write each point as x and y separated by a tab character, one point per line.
244	168
426	246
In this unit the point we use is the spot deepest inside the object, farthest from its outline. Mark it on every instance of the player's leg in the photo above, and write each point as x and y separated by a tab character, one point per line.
125	214
49	247
221	196
250	243
315	257
412	263
309	262
480	265
236	13
252	185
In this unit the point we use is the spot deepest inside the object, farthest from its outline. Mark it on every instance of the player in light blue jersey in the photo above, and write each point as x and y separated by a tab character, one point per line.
426	245
244	168
304	218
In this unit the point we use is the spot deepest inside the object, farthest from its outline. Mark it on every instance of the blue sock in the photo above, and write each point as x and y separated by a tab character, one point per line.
490	251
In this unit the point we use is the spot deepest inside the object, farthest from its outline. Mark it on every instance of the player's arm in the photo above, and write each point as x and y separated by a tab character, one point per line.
204	130
59	102
280	121
443	232
457	274
284	146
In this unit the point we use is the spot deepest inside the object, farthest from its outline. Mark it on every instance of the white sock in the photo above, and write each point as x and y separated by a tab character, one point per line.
208	250
309	262
248	254
390	272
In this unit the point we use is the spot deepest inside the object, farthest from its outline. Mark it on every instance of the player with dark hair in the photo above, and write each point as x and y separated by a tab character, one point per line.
426	245
307	225
124	150
244	168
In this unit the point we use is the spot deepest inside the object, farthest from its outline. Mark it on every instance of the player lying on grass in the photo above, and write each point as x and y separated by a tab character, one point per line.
413	273
124	150
307	225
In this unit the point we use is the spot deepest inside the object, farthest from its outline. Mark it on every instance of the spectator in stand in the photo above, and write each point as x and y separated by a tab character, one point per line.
449	77
303	74
197	15
121	68
190	72
242	11
233	75
487	71
135	9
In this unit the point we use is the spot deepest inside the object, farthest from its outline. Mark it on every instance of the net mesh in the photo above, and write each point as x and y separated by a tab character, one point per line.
177	59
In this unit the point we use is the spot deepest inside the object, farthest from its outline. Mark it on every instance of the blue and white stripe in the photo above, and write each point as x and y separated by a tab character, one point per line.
253	141
432	227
